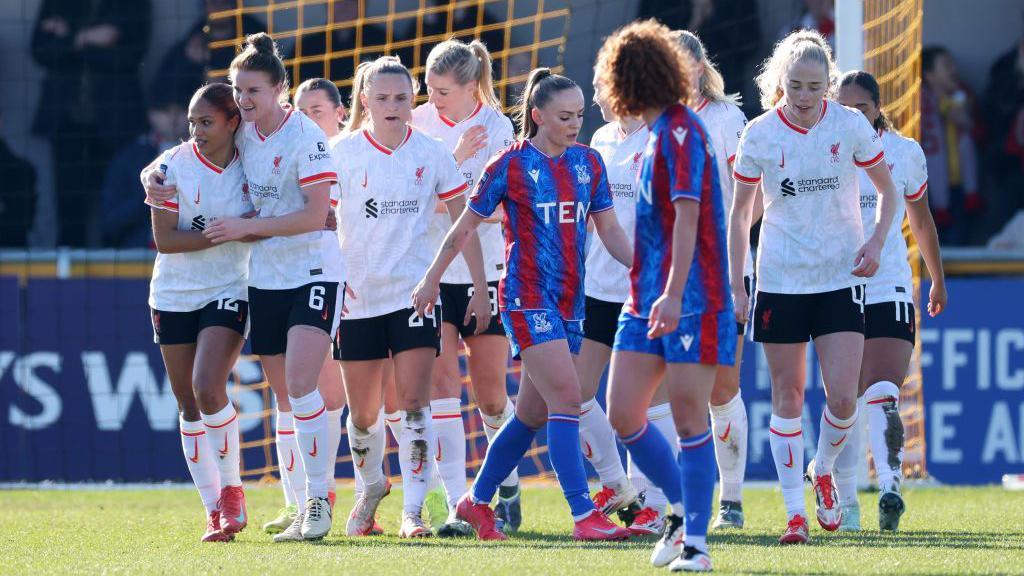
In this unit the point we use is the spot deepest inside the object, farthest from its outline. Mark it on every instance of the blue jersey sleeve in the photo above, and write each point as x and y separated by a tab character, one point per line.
686	153
491	188
600	194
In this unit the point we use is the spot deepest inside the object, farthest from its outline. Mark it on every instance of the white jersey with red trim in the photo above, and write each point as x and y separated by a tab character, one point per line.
205	192
894	282
499	137
388	198
811	229
277	166
724	122
606	278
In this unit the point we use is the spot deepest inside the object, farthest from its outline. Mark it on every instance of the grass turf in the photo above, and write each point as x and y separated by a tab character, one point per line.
945	531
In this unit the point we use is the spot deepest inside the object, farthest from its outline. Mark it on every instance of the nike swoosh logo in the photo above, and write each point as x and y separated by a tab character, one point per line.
438	457
606	530
790	464
325	313
197	194
838	442
364	178
291	464
240	518
314	452
419	467
195	450
224	451
362	460
589	452
782	164
725	436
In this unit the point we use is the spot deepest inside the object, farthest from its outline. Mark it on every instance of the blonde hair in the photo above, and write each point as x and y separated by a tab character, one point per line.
466	63
365	75
800	45
712	85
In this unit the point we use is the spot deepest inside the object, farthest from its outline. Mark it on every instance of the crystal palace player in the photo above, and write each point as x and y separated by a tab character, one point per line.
548	186
678	321
805	152
464	113
889	319
198	300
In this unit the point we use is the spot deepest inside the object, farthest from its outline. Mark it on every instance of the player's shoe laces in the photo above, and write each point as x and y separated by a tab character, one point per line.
730	515
480	517
796	531
213	529
413	526
826	499
293	533
890	508
647	522
851	518
284	519
670	546
509	511
317	522
613	498
596	527
691	560
233	517
436	506
361	521
454	528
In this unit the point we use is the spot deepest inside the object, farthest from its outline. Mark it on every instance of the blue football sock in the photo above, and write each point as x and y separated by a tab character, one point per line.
503	455
567	460
697	467
653	455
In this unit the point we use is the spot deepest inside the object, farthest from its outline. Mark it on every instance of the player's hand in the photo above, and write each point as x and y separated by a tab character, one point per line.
937	299
156	192
665	315
479	306
349	294
741	304
866	261
424	296
332	222
471	142
228	229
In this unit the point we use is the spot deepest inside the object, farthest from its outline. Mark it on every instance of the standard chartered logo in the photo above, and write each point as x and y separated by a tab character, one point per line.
376	209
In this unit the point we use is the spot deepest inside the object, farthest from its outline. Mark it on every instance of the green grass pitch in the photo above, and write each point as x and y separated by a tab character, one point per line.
945	531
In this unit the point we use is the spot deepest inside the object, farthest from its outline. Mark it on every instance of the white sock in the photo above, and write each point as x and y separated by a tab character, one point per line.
199	458
729	425
395	421
451	446
886	434
293	473
333	441
786	439
222	431
659	416
491	426
416	457
597	442
848	463
833	433
311	435
367	446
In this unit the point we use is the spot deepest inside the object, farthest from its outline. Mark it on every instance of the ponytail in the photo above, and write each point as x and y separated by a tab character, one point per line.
541	86
466	63
712	85
365	74
259	54
485	76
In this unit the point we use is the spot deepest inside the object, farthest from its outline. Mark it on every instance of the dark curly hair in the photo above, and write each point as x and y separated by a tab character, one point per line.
641	66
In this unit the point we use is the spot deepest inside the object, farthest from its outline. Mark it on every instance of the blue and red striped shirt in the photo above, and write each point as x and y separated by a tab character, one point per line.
546	202
679	163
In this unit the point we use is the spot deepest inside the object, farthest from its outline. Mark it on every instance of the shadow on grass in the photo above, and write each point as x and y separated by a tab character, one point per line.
907	539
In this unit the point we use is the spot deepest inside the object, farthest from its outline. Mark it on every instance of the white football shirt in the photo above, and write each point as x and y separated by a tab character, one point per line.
893	282
499	137
811	228
388	198
606	278
724	122
188	281
277	166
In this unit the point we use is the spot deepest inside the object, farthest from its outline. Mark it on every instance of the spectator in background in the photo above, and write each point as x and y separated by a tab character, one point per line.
949	128
17	198
1004	102
818	15
125	219
91	100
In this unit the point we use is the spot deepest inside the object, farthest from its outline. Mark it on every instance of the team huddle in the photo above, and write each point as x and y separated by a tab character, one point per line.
356	248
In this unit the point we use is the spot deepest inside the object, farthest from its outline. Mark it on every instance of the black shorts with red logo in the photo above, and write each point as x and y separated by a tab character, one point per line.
170	328
274	312
796	318
890	320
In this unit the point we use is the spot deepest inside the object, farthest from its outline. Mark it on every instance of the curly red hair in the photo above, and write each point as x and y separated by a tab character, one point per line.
641	67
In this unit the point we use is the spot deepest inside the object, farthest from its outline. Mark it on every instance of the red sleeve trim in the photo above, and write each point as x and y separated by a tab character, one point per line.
920	192
745	179
731	159
317	178
166	205
445	196
871	162
334	203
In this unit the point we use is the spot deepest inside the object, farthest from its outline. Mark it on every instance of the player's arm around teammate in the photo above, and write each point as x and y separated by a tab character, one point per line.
549	186
198	301
805	152
889	315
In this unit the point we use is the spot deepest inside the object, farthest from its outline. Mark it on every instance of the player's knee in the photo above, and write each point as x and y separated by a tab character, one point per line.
363	420
491	406
189	410
624	423
842	405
